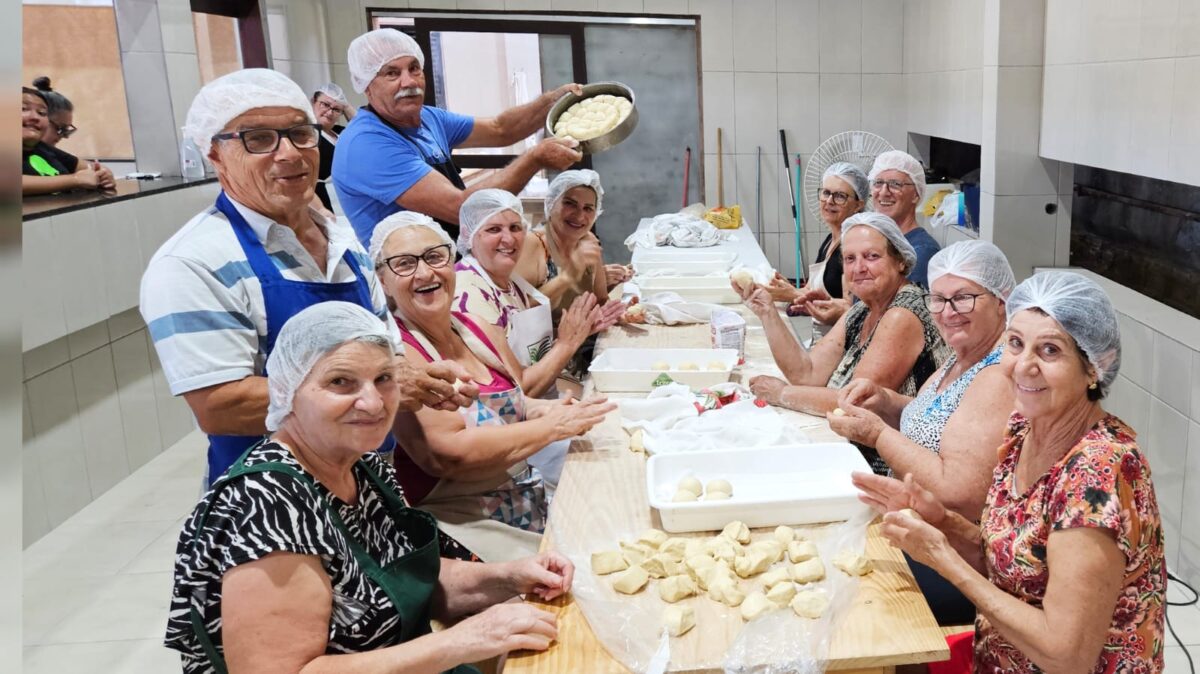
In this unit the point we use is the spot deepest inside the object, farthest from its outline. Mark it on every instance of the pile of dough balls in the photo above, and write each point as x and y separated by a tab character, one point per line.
688	365
690	489
716	568
592	117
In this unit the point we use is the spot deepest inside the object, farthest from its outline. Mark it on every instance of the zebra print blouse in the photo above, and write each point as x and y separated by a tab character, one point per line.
263	513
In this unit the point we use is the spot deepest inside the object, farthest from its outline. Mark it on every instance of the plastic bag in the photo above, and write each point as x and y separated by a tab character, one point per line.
952	211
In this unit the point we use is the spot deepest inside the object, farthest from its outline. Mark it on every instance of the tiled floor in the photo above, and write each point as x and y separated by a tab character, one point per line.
97	587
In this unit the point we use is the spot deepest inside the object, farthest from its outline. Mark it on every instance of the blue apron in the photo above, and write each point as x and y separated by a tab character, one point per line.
282	299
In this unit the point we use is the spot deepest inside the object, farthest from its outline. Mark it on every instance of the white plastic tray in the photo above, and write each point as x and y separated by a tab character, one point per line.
684	261
630	369
783	484
712	289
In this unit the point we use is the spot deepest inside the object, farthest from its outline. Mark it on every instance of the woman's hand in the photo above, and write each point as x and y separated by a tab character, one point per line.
781	290
756	298
861	393
433	385
578	320
570	418
503	628
610	314
922	541
546	575
826	311
768	388
856	424
616	273
887	494
587	255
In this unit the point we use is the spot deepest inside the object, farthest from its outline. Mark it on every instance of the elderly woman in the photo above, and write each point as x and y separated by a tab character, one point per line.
1066	567
469	467
897	188
43	169
844	192
945	436
305	557
888	337
329	106
492	235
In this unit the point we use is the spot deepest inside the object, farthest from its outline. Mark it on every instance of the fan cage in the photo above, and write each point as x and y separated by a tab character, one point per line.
856	147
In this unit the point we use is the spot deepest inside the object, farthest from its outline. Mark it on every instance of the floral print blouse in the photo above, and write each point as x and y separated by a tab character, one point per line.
1102	482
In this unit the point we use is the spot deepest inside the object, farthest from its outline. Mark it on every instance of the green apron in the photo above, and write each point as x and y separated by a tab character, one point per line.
408	581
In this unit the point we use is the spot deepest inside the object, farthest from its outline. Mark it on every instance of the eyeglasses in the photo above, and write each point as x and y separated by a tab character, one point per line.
893	185
66	130
838	198
962	303
406	265
266	141
323	106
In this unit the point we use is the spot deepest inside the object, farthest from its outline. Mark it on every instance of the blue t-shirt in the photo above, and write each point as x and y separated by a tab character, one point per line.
375	164
926	247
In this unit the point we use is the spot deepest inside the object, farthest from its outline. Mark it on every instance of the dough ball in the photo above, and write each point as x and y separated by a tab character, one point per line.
695	546
913	514
716	496
852	563
608	561
798	551
653	538
717	572
726	591
839	412
784	534
674	566
719	485
635	553
775	577
753	563
808	571
679	619
735	530
756	604
768	546
683	495
688	365
660	365
722	548
810	604
781	593
693	485
674	546
716	365
698	565
673	588
654	565
742	278
631	580
637	442
635	310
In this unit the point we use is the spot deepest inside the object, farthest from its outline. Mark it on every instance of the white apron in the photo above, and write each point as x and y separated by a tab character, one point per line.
530	335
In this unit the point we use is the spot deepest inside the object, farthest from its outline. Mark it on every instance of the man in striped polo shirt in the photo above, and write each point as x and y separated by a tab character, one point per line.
217	292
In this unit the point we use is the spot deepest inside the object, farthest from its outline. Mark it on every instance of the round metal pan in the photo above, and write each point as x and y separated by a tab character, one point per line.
600	143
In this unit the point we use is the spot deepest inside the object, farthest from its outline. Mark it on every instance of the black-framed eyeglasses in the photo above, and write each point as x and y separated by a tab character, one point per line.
406	265
893	185
838	198
66	130
962	303
266	141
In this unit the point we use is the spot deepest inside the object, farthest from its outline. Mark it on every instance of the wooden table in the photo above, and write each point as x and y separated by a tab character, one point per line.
888	623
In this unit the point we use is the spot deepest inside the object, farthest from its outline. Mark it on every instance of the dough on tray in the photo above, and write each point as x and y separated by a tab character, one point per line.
753	562
756	604
776	576
679	619
726	591
798	551
674	545
717	365
737	531
717	496
784	534
653	538
683	495
808	571
781	593
719	485
688	365
810	603
693	485
660	365
673	588
852	563
608	561
631	580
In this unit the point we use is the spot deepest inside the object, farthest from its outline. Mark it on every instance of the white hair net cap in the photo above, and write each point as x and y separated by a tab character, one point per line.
305	338
371	51
221	100
1083	309
397	221
480	207
978	261
854	177
569	179
898	160
890	231
333	91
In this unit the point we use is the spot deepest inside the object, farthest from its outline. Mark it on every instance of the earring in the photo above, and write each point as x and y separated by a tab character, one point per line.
1092	386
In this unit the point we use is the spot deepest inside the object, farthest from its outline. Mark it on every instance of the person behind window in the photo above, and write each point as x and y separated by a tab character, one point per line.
42	170
329	104
62	117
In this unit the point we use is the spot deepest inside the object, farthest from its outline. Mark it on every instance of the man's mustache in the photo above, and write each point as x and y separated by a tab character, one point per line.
409	91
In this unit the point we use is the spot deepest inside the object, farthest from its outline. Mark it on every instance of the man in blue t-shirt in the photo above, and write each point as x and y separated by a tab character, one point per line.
395	154
897	188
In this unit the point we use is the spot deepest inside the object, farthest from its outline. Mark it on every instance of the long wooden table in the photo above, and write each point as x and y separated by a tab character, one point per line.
887	624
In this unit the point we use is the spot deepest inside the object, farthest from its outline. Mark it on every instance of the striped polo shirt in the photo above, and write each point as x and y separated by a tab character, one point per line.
204	307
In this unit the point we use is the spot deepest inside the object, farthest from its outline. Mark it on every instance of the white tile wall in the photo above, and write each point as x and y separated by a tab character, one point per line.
841	24
716	18
798	36
666	7
1167	436
799	111
755	112
754	33
58	443
77	238
882	36
841	103
42	288
100	420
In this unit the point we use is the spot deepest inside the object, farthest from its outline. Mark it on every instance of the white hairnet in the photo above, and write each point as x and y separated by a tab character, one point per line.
305	338
854	177
480	207
569	179
1083	309
978	261
898	160
221	100
333	91
396	221
887	227
373	50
